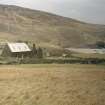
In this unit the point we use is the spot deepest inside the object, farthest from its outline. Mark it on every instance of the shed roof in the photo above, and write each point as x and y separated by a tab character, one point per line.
18	47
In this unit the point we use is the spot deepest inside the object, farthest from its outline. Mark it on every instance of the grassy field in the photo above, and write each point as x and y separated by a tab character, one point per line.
52	85
83	55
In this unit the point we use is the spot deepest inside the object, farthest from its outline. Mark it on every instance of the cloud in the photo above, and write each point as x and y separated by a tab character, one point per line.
85	10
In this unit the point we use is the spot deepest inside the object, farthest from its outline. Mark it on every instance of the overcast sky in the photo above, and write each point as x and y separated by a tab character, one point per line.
92	11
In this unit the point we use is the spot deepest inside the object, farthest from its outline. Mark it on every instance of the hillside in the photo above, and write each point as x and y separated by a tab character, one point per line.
18	23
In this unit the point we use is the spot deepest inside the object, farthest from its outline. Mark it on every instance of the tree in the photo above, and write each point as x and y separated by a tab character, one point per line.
100	44
34	51
39	52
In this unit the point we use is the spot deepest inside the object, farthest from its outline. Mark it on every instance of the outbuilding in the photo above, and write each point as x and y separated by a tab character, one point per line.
19	50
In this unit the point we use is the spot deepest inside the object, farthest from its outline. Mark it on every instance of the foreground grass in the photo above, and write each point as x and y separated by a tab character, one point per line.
52	85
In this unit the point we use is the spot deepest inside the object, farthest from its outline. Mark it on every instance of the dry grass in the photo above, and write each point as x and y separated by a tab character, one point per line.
81	55
30	25
52	85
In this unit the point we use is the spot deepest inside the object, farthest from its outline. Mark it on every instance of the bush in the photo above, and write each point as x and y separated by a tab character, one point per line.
62	61
100	44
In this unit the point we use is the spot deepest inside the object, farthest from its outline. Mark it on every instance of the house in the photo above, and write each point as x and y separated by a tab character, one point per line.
19	50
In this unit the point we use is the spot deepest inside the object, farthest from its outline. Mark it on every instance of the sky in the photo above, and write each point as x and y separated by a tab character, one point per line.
92	11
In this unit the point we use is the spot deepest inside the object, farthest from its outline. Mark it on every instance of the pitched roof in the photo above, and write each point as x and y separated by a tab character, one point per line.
18	47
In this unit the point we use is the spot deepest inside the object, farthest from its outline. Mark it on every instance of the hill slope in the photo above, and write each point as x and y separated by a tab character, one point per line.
18	23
